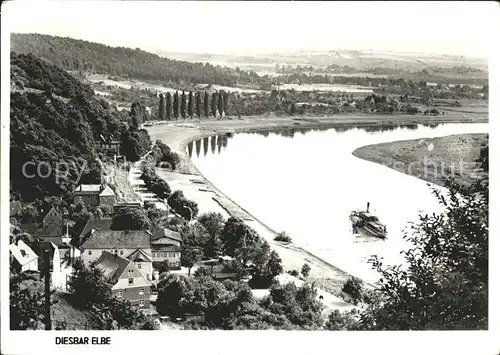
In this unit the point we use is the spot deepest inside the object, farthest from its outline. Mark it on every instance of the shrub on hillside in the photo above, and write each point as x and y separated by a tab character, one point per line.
283	237
353	287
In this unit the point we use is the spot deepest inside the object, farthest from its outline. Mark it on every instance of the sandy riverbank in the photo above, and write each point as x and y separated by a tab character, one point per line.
195	187
430	159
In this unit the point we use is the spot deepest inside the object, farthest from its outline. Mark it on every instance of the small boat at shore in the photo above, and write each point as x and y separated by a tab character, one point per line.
366	224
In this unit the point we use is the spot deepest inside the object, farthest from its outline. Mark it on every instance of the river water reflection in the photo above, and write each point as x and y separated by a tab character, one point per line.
306	182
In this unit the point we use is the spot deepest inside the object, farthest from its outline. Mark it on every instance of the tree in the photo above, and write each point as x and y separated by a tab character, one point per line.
131	219
176	105
29	214
168	107
159	187
213	106
205	104
198	104
483	159
183	105
353	287
186	208
306	269
342	321
171	290
213	222
299	305
220	103
293	109
137	115
226	103
283	237
134	144
274	267
88	286
236	234
27	305
161	108
267	265
190	256
190	105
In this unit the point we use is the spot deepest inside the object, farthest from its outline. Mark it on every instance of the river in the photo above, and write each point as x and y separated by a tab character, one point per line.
307	183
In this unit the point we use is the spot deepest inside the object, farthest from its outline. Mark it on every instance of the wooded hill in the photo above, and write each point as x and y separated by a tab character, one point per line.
73	54
54	119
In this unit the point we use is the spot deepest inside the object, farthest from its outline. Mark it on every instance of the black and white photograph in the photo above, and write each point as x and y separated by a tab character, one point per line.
303	169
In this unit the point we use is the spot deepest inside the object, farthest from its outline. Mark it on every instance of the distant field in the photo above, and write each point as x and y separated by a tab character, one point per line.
128	84
234	89
327	87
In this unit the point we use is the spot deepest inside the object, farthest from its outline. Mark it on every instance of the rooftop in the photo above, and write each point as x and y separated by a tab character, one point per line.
95	188
22	253
112	266
112	239
95	225
169	248
168	233
107	191
139	256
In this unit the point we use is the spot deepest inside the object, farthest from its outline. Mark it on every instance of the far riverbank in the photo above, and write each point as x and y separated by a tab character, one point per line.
430	159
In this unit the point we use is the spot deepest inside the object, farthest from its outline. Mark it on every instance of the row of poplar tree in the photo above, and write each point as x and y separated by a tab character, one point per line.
174	106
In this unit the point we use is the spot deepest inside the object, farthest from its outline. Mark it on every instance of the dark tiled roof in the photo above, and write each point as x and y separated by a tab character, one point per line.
139	255
56	240
96	224
47	231
112	266
109	239
165	232
171	248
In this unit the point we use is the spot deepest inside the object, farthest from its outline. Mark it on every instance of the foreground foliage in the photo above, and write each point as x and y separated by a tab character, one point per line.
231	305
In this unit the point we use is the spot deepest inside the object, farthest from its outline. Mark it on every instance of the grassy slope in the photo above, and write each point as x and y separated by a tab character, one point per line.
452	155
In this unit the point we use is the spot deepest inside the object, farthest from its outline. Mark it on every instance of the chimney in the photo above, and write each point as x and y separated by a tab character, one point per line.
368	207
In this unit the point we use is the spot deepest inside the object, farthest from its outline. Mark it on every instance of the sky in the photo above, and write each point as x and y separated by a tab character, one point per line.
454	28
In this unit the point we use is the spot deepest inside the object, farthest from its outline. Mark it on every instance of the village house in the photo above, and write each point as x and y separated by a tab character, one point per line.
128	282
132	243
53	221
143	262
25	259
166	246
94	195
51	233
109	146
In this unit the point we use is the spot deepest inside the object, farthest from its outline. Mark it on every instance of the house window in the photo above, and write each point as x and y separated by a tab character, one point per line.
116	252
141	291
130	271
90	252
121	252
119	294
141	303
131	281
139	265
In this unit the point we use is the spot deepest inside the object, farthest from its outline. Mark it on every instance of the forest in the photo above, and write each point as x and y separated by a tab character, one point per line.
77	55
54	123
